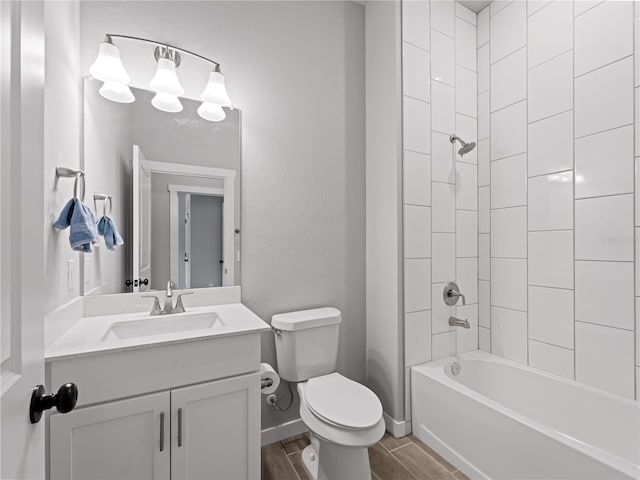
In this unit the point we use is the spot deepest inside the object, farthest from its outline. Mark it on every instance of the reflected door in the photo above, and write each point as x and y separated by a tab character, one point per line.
141	222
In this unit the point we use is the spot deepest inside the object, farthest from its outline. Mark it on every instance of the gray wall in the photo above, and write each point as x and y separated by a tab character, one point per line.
296	70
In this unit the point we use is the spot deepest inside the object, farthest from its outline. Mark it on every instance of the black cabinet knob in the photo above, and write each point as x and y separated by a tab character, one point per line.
64	400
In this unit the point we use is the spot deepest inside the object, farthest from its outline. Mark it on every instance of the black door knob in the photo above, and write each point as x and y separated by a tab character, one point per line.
64	400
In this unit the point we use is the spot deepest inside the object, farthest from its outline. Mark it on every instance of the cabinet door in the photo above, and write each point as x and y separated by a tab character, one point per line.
215	430
116	440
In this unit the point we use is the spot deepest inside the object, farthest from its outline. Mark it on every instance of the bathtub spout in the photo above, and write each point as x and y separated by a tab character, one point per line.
457	322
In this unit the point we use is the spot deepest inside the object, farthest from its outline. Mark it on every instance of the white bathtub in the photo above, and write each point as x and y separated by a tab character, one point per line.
502	420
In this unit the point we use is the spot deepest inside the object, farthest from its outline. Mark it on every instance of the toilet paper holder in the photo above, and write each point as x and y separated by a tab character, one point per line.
266	382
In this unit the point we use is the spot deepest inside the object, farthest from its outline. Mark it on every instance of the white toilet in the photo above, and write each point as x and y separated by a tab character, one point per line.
343	416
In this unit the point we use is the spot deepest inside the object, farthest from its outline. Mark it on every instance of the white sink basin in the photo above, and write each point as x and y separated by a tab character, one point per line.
160	325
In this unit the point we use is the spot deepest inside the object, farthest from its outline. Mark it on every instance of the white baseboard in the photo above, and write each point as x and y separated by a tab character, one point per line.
283	431
397	428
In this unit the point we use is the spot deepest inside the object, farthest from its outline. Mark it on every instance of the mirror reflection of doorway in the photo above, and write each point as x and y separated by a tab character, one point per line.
200	240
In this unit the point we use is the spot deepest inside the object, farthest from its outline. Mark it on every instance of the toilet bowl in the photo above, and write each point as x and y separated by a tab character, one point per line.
344	417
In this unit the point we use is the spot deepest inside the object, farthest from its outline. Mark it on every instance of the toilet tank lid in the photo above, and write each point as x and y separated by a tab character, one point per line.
300	320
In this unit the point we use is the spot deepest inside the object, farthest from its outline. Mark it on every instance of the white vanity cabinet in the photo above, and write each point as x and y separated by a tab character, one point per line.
205	431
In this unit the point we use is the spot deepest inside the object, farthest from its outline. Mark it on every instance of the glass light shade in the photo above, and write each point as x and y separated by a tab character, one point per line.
216	92
165	80
211	112
116	92
108	66
166	102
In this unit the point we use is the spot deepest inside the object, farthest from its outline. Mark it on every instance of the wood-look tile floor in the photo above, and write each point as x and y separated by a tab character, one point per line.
391	458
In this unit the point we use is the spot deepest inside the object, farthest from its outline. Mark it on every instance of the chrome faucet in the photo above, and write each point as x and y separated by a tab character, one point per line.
168	302
457	322
451	294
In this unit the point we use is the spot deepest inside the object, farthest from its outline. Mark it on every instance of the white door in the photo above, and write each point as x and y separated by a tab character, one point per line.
127	439
141	222
215	430
22	446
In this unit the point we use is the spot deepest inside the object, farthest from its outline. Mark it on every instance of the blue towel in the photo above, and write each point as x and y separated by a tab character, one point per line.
107	228
64	220
83	228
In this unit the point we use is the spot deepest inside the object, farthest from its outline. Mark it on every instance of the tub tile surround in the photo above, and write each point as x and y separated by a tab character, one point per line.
556	188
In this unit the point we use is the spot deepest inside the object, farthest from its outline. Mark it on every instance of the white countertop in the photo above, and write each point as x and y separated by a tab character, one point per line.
89	335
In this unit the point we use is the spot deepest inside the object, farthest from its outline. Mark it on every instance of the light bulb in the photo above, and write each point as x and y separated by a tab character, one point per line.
215	91
211	112
167	103
108	66
165	80
116	92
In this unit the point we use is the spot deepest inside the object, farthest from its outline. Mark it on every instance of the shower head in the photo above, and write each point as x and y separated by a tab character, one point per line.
464	146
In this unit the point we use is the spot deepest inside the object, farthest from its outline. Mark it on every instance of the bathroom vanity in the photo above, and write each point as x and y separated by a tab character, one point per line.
171	396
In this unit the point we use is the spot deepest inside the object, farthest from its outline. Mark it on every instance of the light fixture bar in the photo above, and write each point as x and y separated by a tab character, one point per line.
109	36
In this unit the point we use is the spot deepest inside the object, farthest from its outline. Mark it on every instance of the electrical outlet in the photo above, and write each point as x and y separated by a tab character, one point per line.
88	267
71	274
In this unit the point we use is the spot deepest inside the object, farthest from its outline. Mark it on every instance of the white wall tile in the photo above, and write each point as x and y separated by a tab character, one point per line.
605	163
467	278
484	115
581	6
638	331
484	68
467	338
416	124
467	186
551	315
441	311
417	338
484	219
465	13
442	158
604	358
509	80
442	58
604	98
484	339
637	119
467	128
637	185
484	256
551	202
465	44
605	293
509	334
466	97
551	259
466	233
417	285
551	359
444	257
416	178
637	383
509	131
602	35
444	345
416	72
604	228
551	87
509	283
417	231
534	5
550	32
551	144
444	208
484	163
636	48
483	27
509	182
509	232
508	30
497	5
484	303
443	108
442	16
415	22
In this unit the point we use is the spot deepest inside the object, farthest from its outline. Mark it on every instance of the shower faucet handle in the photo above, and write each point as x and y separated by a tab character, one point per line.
452	293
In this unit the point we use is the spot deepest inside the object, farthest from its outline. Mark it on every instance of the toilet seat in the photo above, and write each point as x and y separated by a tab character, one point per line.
343	403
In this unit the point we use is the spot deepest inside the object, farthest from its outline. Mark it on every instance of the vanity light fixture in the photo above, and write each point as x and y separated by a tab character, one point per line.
109	69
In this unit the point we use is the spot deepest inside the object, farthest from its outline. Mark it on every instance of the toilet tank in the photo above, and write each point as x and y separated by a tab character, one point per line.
307	342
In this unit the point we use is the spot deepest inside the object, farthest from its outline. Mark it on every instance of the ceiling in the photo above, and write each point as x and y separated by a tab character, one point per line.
475	5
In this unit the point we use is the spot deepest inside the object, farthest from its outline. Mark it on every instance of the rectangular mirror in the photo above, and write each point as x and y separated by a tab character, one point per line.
171	184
